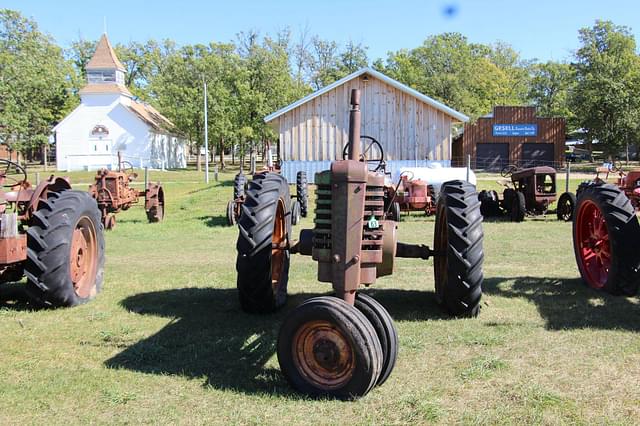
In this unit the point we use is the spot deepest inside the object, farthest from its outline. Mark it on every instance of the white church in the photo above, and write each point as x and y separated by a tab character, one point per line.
110	120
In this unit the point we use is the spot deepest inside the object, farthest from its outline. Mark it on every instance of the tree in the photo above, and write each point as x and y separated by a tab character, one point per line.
34	82
550	87
469	77
606	99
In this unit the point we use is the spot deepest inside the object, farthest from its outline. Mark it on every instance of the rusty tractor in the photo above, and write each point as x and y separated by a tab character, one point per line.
299	203
52	235
113	194
605	238
410	194
628	182
529	191
343	345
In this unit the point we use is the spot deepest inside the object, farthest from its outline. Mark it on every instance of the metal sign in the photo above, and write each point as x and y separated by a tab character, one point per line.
515	130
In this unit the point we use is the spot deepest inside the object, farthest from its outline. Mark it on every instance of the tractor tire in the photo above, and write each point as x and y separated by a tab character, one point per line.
302	192
231	213
507	199
65	250
518	208
328	348
155	200
295	212
394	213
265	221
385	329
605	238
565	207
239	183
458	240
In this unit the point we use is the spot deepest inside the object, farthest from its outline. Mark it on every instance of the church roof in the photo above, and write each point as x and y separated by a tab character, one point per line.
104	56
105	88
150	116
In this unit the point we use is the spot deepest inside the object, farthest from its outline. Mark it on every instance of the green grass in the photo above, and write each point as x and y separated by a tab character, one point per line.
166	342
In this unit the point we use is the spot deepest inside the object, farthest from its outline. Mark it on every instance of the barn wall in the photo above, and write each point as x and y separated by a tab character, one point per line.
407	128
550	130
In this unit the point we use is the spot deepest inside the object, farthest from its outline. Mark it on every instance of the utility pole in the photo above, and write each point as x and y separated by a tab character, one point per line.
206	136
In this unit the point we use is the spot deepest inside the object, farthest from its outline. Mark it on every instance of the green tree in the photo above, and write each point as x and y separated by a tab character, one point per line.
34	82
469	77
606	101
550	87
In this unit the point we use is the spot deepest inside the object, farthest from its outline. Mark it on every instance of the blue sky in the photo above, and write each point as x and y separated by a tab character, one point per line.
542	29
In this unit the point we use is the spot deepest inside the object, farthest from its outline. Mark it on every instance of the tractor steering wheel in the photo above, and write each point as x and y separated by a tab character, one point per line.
126	167
508	170
11	174
379	162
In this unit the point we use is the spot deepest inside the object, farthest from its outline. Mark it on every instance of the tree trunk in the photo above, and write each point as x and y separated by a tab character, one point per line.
221	153
44	156
233	154
199	163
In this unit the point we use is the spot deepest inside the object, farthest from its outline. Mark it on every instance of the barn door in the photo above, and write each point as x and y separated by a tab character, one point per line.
492	156
537	154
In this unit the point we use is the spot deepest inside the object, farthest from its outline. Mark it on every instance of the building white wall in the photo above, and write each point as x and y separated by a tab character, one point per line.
77	149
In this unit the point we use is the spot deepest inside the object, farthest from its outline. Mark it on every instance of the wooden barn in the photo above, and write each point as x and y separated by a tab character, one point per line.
512	135
414	129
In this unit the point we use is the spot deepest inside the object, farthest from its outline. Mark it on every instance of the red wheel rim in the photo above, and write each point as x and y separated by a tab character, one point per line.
83	263
594	248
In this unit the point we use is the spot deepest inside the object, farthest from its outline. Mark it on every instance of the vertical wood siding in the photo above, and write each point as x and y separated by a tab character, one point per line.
405	126
550	130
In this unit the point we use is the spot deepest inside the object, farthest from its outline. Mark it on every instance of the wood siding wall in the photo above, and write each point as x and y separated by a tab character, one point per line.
406	127
550	130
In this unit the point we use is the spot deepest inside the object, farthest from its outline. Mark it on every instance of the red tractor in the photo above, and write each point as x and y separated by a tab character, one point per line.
52	235
411	194
344	344
605	239
113	193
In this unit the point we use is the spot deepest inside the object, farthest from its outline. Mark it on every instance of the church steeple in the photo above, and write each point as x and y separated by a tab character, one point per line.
105	73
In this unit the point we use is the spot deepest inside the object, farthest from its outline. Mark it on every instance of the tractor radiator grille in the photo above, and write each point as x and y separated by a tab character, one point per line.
322	221
373	212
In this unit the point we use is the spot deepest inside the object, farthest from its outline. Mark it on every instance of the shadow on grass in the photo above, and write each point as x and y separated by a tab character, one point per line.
13	296
568	303
209	337
215	221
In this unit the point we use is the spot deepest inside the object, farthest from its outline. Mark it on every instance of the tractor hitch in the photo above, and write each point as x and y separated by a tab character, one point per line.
419	251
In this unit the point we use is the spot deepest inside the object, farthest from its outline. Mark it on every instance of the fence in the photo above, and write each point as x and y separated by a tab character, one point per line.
109	161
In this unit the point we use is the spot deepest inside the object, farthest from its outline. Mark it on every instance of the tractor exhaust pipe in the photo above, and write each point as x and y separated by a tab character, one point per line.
354	125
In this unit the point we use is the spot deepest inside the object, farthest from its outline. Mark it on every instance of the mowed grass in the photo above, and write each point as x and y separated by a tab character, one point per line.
166	342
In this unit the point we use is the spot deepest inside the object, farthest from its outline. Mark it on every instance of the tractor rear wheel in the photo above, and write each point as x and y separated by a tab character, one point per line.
302	192
263	244
385	329
239	182
458	242
327	347
566	205
65	250
605	237
518	207
154	202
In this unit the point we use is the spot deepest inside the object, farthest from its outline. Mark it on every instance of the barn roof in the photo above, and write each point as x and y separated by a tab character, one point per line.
104	56
370	71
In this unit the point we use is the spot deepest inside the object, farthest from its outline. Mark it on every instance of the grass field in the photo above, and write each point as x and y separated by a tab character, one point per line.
166	342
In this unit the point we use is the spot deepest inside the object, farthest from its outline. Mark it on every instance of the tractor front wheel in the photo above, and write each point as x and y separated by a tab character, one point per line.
605	237
518	207
65	250
385	330
458	244
328	348
231	213
302	192
154	202
263	244
566	205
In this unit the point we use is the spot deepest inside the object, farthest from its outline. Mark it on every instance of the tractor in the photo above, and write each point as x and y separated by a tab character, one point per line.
605	238
628	182
410	194
299	205
52	235
113	194
343	345
529	191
